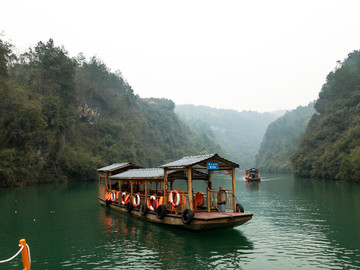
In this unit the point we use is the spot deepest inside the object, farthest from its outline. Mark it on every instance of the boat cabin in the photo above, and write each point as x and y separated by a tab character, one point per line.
106	172
213	198
166	194
252	174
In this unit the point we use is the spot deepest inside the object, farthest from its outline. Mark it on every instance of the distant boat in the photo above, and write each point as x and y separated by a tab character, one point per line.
252	175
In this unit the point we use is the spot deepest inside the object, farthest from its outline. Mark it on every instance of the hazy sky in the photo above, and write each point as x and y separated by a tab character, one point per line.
242	55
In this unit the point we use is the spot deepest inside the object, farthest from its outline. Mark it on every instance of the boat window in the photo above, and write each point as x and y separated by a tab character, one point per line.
199	185
140	187
180	185
102	181
125	186
114	185
156	188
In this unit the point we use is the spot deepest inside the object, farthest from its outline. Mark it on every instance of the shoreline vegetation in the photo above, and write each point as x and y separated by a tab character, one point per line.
281	139
61	118
330	146
321	140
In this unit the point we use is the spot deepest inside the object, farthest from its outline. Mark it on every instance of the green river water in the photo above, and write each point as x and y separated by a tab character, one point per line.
297	224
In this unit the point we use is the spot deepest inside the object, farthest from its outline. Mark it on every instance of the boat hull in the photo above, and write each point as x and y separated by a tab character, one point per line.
202	220
253	179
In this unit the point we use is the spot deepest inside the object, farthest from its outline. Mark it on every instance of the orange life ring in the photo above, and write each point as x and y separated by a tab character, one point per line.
152	200
123	197
136	200
171	198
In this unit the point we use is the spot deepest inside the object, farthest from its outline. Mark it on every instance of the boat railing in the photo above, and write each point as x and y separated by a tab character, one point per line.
213	200
220	199
184	202
145	199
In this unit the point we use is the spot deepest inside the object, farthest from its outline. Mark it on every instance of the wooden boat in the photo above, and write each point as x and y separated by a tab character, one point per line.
252	175
165	194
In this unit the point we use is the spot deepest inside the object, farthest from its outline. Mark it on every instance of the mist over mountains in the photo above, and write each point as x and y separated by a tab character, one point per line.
239	133
62	117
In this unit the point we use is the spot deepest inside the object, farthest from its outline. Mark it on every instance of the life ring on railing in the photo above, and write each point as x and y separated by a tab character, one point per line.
152	200
113	196
136	200
123	196
171	198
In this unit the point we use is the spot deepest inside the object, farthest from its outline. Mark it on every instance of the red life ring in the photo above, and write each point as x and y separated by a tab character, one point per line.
113	196
153	200
123	196
171	198
136	200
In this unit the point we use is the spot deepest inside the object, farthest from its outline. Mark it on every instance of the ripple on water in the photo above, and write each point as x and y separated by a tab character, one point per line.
296	225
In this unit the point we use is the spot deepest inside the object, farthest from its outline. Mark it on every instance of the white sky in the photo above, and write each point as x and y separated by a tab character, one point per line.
242	55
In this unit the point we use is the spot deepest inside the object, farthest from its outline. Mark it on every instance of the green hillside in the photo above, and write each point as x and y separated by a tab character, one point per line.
281	139
238	133
61	118
330	147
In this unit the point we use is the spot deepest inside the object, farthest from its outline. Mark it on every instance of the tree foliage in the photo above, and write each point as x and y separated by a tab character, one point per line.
330	146
61	118
281	139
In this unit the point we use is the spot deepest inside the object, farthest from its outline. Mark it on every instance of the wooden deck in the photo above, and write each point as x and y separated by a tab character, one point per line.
219	215
202	219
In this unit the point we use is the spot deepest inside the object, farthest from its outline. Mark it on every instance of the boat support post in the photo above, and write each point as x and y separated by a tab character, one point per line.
233	188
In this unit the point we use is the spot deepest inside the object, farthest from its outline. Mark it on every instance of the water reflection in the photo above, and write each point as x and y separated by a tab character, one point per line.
137	242
252	185
306	223
336	205
297	224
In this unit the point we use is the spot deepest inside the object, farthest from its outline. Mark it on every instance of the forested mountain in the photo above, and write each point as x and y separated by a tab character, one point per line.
238	133
281	139
330	147
61	118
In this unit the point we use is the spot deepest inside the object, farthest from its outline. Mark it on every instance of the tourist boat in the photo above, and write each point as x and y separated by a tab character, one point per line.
166	194
252	175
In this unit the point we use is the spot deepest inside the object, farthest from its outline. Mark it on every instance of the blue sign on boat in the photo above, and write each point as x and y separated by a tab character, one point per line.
213	165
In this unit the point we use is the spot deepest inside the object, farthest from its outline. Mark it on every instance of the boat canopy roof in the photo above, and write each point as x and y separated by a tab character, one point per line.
152	173
115	166
156	174
200	160
175	169
252	170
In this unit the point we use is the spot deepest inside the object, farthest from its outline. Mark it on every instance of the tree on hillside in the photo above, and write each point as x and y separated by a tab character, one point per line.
61	118
281	139
331	144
